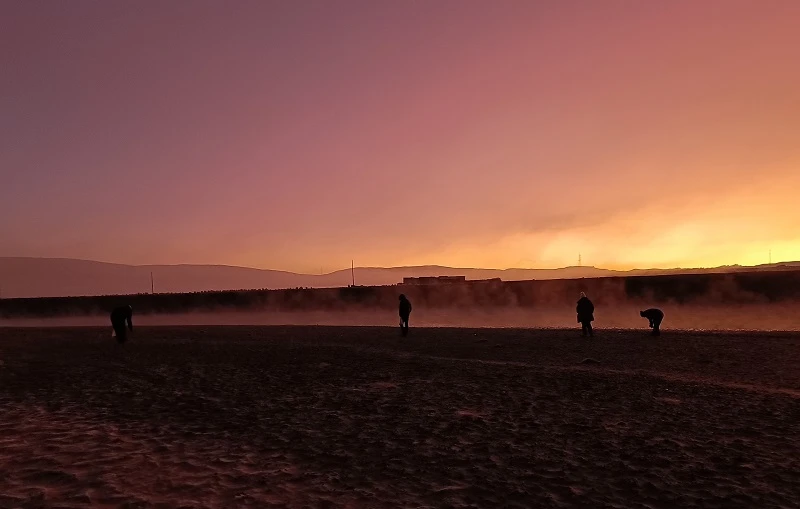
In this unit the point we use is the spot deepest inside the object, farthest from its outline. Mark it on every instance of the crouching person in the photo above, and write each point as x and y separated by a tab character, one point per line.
655	316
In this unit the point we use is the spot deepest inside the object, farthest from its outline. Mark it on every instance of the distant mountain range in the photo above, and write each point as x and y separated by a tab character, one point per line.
60	277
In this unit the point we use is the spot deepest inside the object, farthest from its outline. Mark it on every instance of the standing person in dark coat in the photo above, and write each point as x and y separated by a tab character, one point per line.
120	317
405	312
585	310
656	316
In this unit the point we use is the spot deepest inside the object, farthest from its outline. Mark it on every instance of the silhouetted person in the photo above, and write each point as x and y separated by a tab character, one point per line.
405	312
122	322
655	316
585	310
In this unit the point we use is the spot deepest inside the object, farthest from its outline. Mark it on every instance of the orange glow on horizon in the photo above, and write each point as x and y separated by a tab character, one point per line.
300	135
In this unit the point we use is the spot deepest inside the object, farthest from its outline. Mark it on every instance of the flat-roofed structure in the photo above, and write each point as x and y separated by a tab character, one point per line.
434	280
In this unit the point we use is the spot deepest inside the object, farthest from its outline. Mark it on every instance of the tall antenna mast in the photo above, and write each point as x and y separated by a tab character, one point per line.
770	256
579	260
353	271
152	286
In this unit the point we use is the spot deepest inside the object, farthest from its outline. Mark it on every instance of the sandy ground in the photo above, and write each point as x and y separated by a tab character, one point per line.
357	417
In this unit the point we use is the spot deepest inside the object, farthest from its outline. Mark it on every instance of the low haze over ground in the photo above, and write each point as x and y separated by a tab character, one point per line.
297	136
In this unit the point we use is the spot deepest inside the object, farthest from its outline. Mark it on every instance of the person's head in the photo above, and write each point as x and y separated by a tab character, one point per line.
402	296
641	313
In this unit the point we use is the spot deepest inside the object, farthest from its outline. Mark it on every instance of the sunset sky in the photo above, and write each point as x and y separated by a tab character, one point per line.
297	135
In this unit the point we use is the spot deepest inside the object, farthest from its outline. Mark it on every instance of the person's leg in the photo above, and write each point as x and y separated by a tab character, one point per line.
589	328
405	326
656	325
121	332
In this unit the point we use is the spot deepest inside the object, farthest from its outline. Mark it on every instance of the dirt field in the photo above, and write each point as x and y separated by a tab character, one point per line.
357	417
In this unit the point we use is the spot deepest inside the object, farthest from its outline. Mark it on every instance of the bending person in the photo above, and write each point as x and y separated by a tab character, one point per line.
655	316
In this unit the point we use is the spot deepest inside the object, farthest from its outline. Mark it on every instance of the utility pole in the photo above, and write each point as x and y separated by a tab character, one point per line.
770	256
152	286
353	271
579	260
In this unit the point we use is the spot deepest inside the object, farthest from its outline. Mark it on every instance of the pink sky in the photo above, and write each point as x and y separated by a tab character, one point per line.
299	135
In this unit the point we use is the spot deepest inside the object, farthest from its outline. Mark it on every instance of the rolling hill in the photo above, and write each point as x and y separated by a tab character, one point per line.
56	277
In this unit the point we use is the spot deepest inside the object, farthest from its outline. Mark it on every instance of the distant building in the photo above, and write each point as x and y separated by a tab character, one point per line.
435	280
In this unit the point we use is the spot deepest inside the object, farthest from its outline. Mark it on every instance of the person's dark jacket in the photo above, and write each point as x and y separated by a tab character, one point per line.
585	310
405	308
653	315
122	315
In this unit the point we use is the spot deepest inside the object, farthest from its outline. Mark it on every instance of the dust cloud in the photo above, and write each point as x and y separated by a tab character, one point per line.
743	301
778	316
